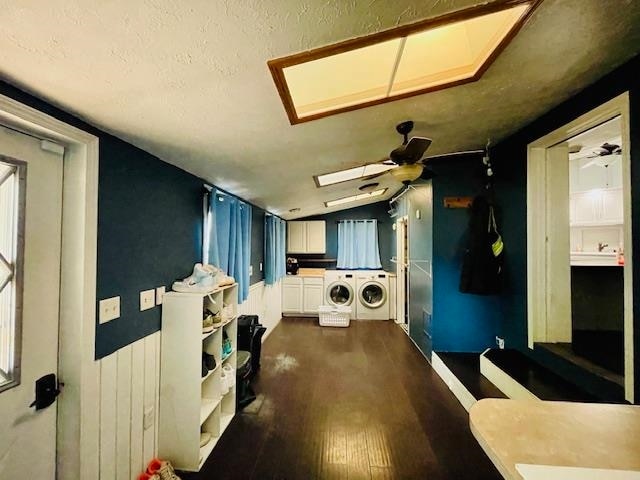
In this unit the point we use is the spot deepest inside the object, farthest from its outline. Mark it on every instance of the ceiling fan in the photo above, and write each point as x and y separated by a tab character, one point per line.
602	156
409	159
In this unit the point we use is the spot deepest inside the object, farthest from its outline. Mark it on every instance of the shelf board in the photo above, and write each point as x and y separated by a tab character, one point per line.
208	334
225	420
207	407
228	321
206	451
211	372
228	356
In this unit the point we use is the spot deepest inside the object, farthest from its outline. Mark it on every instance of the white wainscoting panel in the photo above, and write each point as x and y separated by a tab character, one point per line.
129	387
266	302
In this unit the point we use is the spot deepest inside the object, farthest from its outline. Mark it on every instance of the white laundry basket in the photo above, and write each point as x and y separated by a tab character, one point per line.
334	316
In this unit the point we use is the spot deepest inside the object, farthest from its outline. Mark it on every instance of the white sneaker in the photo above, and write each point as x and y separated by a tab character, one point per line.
202	280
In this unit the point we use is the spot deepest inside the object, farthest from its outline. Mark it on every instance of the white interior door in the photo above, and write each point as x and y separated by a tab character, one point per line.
401	271
28	438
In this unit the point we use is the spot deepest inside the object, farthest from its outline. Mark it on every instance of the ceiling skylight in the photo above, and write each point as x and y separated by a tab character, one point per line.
355	198
351	174
409	60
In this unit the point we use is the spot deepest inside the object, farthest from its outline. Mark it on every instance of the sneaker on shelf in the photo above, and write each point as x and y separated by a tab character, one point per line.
202	280
215	317
224	383
205	437
226	345
209	361
163	469
146	476
207	324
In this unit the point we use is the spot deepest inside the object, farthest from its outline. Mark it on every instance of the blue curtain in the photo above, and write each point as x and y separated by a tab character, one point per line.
274	249
358	244
230	238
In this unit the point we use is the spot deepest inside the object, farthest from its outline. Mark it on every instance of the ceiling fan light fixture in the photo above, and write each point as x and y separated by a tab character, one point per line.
407	173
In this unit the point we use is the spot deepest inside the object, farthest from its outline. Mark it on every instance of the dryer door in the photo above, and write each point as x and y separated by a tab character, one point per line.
372	294
339	294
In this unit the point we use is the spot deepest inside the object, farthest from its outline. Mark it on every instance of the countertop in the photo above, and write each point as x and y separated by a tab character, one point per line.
557	433
310	272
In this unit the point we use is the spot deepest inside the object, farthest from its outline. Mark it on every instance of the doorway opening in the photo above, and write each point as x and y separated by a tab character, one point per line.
580	293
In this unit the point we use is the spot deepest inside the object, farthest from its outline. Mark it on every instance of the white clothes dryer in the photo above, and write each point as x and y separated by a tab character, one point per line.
340	289
372	301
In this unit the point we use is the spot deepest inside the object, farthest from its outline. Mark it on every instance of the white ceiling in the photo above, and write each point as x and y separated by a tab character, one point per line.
188	81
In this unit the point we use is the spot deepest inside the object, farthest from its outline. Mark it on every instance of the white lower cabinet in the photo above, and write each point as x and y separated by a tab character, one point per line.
302	295
292	295
192	403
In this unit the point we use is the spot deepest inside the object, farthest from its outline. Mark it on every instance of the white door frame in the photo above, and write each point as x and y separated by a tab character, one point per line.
538	285
77	428
402	226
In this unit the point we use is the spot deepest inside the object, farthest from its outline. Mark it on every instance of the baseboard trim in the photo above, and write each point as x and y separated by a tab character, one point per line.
463	395
505	383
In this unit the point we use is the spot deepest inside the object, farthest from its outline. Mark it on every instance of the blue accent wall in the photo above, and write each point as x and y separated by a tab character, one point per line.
461	322
378	211
149	228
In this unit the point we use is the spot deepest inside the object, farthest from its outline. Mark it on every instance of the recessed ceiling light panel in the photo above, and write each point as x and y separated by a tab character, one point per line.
355	198
432	54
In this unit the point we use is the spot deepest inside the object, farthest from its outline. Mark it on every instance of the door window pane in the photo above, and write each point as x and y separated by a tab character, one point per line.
12	175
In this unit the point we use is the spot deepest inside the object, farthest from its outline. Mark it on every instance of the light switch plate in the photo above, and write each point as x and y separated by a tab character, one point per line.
109	309
260	266
159	295
147	299
250	270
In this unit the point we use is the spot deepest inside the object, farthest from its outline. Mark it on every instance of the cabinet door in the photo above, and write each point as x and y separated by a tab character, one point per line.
292	298
296	237
316	236
312	298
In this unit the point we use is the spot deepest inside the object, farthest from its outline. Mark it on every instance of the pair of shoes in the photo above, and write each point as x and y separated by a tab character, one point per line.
226	345
211	321
162	470
203	279
226	280
208	362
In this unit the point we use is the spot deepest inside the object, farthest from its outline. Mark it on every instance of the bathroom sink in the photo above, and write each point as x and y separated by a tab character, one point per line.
596	259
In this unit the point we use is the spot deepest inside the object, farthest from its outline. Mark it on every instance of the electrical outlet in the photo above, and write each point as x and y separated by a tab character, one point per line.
109	309
250	270
500	342
147	299
149	417
159	295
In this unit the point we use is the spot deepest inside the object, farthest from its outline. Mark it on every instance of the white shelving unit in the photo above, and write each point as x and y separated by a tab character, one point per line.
189	403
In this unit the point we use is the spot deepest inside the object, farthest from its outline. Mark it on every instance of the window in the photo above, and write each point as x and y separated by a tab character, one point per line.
12	197
358	244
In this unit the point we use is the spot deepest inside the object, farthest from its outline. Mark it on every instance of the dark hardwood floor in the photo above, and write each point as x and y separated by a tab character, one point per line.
354	403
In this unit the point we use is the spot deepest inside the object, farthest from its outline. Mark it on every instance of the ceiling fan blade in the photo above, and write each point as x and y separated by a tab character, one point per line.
411	152
427	174
453	154
589	164
375	175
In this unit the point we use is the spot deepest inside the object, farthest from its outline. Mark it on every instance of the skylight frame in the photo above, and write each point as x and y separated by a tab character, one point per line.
278	65
355	198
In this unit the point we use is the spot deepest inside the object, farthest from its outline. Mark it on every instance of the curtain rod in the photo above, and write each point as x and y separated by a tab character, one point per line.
211	188
361	220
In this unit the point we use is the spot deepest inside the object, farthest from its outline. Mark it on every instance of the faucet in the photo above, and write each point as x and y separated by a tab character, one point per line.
601	246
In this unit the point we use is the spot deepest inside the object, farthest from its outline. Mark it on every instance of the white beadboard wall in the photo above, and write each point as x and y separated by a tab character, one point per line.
129	385
266	302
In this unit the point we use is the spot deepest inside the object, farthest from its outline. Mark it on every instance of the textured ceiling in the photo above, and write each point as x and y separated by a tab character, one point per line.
188	81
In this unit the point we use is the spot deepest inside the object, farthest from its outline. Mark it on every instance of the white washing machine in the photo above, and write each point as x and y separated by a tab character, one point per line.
372	301
340	289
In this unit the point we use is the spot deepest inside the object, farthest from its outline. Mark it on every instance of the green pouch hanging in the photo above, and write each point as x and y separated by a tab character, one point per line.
498	245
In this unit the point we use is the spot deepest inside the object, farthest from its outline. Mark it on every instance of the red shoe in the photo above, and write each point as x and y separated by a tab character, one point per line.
162	469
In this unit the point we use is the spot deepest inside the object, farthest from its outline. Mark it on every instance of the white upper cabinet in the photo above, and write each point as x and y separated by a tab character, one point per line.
306	236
